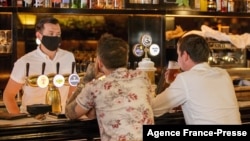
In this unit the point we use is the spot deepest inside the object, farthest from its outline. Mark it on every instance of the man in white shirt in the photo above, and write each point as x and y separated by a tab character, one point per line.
206	94
48	31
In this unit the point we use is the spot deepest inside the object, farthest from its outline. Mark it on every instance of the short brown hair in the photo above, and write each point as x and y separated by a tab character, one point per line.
113	51
40	24
196	46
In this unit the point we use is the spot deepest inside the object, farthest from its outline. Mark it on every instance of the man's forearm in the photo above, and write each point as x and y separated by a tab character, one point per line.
11	106
70	110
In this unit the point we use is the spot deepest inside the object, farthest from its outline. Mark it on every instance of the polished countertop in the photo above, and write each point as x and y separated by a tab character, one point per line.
27	120
50	128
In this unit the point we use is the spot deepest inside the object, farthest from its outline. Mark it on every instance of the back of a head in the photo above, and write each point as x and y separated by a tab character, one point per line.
196	46
112	51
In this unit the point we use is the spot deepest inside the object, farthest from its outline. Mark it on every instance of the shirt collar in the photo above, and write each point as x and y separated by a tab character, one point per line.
203	65
119	72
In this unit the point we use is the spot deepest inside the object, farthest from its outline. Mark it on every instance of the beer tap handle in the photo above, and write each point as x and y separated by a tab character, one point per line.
27	69
73	67
43	67
58	79
43	80
57	67
74	78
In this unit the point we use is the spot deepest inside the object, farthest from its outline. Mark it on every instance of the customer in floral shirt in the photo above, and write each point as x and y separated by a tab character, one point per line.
121	101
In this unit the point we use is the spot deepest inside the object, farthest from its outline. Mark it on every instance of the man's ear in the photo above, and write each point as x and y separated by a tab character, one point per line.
99	65
185	56
39	35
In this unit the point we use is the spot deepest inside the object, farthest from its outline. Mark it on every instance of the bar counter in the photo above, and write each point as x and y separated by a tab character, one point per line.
84	129
49	129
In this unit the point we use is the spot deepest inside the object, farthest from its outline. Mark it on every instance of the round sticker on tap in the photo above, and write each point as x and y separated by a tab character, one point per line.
58	80
74	79
42	81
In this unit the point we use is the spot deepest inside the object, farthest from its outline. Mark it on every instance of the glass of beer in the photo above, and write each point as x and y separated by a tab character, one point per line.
172	70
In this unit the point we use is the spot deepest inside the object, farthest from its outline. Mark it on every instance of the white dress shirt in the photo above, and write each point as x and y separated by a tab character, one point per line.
206	95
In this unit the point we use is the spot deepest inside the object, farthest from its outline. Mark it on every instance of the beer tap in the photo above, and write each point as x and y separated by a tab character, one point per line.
58	79
74	78
146	64
43	80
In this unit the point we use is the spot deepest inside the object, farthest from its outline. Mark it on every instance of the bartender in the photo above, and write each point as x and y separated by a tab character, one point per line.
48	33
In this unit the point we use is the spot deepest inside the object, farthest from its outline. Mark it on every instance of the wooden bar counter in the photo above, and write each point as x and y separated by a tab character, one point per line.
49	129
84	129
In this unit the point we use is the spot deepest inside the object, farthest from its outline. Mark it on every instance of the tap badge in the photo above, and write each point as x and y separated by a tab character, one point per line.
154	50
146	40
74	79
138	50
42	81
58	80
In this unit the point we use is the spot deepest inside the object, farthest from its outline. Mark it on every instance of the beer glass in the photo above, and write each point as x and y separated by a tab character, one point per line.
172	70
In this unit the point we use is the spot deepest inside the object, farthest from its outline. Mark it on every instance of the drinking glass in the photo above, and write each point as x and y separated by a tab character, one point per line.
172	70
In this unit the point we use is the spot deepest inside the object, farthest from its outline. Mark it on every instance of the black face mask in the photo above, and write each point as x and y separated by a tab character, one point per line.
51	42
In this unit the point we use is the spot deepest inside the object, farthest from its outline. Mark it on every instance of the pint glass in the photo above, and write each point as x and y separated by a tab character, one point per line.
172	70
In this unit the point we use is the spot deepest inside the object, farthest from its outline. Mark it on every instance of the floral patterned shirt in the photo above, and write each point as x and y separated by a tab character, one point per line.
122	103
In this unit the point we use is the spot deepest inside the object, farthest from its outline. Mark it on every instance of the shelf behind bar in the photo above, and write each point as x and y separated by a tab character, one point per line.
154	11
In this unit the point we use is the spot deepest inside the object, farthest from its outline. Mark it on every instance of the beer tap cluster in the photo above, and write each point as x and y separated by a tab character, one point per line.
146	46
53	82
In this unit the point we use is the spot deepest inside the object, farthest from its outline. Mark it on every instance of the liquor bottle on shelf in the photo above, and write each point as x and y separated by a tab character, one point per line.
47	3
38	3
84	4
19	3
211	6
3	3
75	3
230	6
218	5
65	3
224	5
27	3
203	5
56	3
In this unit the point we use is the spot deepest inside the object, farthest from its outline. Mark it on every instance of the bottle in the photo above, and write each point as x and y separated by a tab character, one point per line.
239	6
197	4
53	98
75	3
247	3
218	5
65	4
47	3
3	3
224	5
19	3
211	6
230	6
117	4
38	3
203	5
84	4
27	3
56	3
